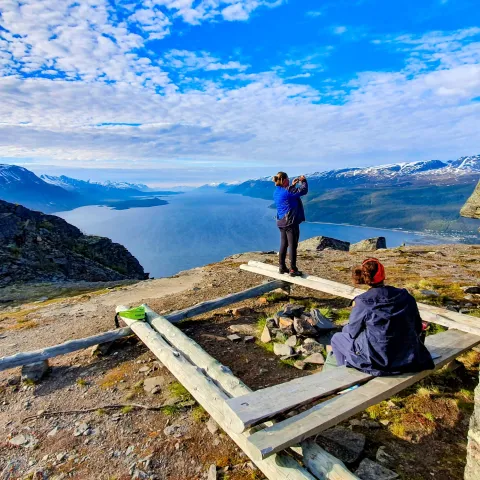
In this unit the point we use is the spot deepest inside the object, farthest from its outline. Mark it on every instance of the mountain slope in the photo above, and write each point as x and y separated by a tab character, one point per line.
38	247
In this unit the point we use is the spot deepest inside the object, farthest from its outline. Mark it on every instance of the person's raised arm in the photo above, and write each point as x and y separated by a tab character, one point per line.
296	190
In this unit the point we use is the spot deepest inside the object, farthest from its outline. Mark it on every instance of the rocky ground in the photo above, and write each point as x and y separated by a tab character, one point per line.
172	438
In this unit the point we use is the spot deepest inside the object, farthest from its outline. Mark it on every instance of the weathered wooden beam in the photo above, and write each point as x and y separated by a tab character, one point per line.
317	460
211	305
276	438
429	313
25	358
212	398
253	408
34	356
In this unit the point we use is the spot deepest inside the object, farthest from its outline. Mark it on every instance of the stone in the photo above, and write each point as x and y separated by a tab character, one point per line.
243	329
34	372
292	310
175	431
61	456
320	321
262	301
385	422
475	289
129	450
281	350
234	337
153	385
322	243
144	370
315	358
271	323
101	349
343	443
291	341
23	440
370	470
212	426
81	429
285	323
369	245
429	293
249	339
303	327
212	472
266	337
241	311
384	458
471	209
310	346
12	381
53	432
300	364
364	423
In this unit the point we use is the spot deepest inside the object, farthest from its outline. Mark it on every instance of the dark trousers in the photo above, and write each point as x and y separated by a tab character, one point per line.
289	237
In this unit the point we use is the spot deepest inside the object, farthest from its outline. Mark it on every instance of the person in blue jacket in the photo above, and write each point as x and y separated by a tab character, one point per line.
290	215
384	333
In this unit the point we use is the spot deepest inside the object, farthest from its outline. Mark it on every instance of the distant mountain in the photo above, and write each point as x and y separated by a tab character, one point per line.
417	195
19	185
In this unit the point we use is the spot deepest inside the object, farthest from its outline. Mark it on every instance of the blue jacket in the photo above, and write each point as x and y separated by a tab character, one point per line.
289	205
385	327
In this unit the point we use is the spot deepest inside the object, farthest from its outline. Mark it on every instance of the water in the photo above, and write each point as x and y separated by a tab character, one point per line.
197	228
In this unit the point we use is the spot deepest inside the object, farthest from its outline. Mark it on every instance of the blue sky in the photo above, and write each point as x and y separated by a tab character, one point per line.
190	91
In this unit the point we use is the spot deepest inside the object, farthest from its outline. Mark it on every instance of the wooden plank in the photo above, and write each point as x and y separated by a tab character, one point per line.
251	409
25	358
317	460
429	313
212	398
211	305
289	432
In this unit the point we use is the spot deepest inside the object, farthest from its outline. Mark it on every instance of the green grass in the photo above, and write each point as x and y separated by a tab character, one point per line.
261	322
126	409
171	410
276	297
429	416
199	414
177	390
341	315
81	382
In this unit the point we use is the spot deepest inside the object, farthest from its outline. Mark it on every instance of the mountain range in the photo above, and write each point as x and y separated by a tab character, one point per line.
53	194
424	195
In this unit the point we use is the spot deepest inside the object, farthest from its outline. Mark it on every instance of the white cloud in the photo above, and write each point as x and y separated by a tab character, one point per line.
340	30
314	13
189	61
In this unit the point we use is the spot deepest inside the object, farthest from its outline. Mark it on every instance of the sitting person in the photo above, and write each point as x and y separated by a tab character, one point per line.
383	336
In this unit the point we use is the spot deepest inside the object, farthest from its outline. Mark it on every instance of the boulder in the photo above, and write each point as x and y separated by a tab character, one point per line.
310	346
472	208
300	364
291	341
320	321
34	372
315	358
474	289
291	310
243	329
282	350
369	245
303	327
343	443
266	337
370	470
322	243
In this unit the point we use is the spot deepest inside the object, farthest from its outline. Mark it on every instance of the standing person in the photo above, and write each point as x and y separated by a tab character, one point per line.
384	332
290	215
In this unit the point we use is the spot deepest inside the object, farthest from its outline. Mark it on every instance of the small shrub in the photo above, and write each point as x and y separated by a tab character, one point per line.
81	382
199	414
177	390
126	409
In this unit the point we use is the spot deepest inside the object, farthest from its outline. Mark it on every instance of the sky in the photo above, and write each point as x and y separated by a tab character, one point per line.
191	91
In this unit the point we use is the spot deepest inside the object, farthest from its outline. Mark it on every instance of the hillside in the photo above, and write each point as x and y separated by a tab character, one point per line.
37	248
177	441
417	196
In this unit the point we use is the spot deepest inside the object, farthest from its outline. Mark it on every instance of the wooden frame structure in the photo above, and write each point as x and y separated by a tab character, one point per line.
280	447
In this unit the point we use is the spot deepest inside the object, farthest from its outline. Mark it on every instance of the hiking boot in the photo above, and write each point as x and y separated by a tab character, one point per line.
282	270
295	272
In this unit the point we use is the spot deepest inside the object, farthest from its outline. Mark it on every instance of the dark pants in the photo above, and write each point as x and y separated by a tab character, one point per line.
289	237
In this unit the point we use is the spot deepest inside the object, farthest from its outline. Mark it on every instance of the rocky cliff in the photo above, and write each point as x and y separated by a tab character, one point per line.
38	247
472	208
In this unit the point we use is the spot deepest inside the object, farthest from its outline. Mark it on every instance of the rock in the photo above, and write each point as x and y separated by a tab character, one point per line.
320	321
343	443
34	372
475	289
385	422
262	301
241	311
285	323
291	341
243	329
369	245
129	450
81	429
212	426
364	423
292	310
282	350
266	337
249	339
315	358
429	293
61	457
101	349
212	472
321	243
175	431
471	209
234	338
288	357
144	370
271	323
384	458
23	440
53	432
303	327
310	346
12	381
153	385
300	364
370	470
